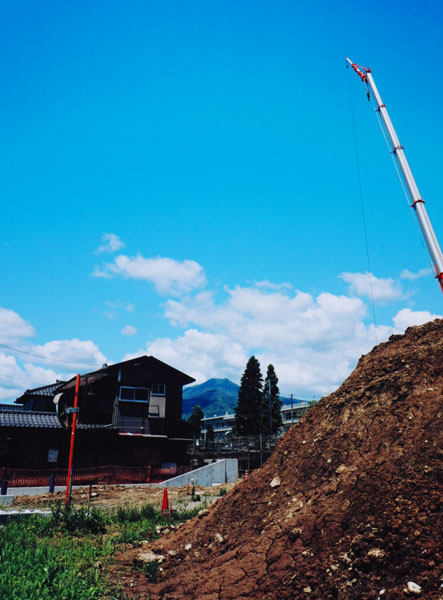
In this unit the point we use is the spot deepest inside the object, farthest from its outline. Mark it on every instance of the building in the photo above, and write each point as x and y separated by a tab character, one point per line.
223	424
129	415
292	413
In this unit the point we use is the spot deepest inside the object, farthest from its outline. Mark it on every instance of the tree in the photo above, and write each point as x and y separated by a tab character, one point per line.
195	419
248	412
271	406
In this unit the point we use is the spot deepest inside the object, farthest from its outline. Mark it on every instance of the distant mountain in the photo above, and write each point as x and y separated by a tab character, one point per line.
215	397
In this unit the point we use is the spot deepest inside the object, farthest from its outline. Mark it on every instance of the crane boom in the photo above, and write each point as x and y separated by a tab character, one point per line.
417	203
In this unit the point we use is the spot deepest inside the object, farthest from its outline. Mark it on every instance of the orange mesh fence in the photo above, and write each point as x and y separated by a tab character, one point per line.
98	475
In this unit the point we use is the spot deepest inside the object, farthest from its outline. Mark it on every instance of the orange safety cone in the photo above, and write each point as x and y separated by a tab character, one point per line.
165	502
246	474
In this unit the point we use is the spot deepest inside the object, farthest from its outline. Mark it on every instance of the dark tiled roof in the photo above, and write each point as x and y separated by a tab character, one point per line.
10	408
39	420
45	390
144	362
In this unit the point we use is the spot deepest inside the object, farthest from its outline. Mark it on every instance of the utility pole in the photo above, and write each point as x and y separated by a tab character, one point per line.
417	203
74	412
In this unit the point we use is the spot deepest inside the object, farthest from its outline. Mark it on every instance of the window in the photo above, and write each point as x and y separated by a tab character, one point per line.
134	394
158	389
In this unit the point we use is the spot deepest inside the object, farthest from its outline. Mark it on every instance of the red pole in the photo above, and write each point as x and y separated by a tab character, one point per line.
71	451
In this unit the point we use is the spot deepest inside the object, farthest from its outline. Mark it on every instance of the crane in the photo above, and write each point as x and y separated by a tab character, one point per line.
416	201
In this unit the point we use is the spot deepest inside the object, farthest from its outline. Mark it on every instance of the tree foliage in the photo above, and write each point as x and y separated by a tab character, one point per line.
248	412
195	419
258	407
272	420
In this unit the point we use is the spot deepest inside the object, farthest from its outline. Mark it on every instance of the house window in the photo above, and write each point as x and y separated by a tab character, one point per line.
134	394
158	389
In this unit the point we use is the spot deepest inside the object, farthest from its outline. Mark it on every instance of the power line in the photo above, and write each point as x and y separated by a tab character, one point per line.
67	362
362	204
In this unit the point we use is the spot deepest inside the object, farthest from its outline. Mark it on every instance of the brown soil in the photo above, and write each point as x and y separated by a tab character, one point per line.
348	507
119	495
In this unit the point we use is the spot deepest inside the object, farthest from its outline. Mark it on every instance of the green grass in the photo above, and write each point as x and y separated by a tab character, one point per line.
64	557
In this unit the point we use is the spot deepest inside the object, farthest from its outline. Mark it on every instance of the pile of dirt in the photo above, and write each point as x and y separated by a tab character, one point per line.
348	507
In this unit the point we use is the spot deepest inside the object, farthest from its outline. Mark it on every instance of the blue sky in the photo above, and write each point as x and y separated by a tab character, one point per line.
181	179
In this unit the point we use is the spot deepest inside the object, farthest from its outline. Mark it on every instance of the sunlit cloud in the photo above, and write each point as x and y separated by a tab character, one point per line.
406	318
273	286
115	307
25	365
313	342
129	330
379	289
112	243
13	327
407	274
169	276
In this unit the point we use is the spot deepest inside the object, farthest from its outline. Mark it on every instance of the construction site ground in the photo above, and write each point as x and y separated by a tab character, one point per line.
112	496
348	507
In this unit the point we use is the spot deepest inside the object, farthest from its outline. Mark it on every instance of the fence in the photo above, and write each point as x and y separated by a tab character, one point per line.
98	475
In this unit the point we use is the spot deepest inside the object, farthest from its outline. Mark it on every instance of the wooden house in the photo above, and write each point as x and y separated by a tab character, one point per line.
129	415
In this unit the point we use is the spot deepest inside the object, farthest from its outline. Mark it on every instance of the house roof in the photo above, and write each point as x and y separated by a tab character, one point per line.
10	408
141	361
38	420
44	390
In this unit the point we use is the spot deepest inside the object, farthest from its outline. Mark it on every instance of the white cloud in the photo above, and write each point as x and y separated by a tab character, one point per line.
13	327
115	306
273	286
407	274
24	368
366	284
77	352
112	243
15	379
128	330
406	318
264	320
313	342
169	276
101	273
201	354
119	305
10	393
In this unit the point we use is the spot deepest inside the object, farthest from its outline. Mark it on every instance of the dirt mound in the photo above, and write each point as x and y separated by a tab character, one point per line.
347	507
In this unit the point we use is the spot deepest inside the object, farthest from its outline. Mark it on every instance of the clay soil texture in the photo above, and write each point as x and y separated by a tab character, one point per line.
348	507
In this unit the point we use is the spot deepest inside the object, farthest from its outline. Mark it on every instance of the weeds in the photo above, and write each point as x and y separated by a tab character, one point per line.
64	557
39	564
77	520
149	569
133	514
